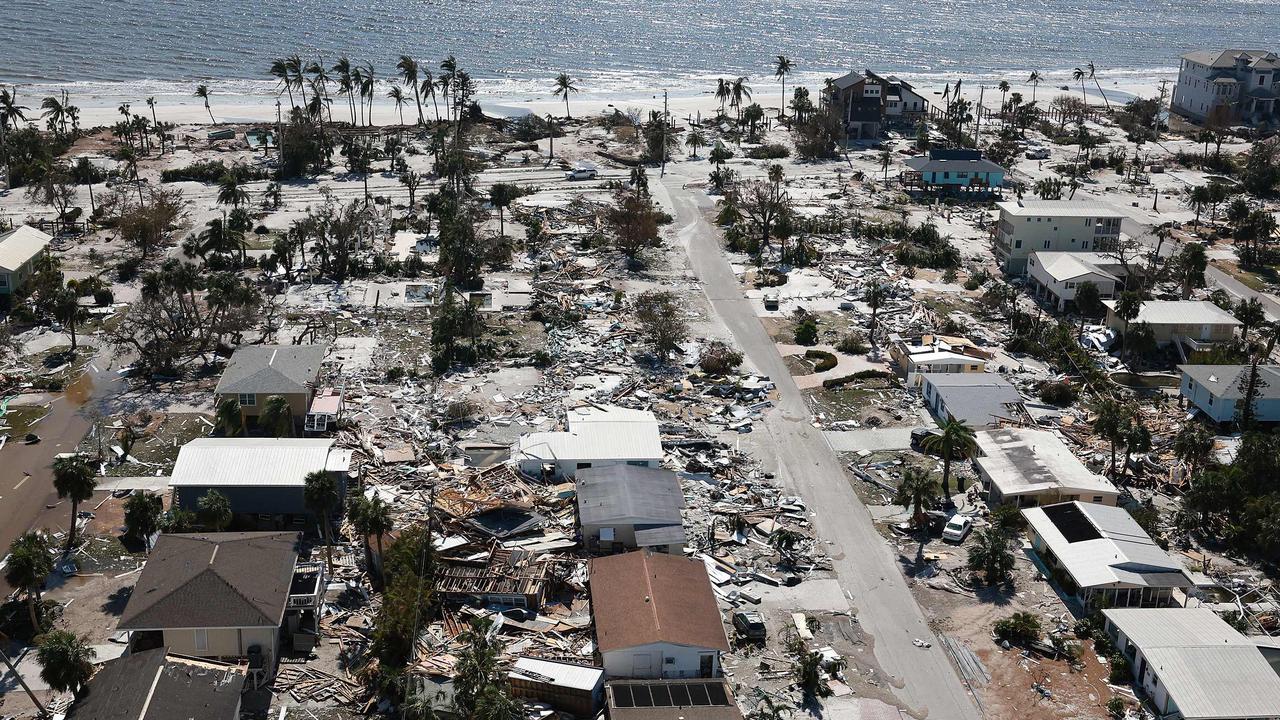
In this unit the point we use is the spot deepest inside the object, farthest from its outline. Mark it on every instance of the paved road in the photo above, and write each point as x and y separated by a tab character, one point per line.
1239	290
867	569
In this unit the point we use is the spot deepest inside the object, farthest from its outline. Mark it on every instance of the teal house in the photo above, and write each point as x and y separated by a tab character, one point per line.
953	172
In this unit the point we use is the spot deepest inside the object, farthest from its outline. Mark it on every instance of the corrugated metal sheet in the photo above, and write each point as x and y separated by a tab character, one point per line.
20	245
256	462
1124	553
577	677
1232	681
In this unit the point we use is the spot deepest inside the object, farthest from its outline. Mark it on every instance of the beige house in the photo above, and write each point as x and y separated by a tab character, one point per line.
1197	324
923	354
1027	226
225	595
19	249
256	372
1056	276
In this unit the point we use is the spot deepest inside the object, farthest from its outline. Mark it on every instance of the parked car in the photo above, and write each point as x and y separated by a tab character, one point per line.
1037	153
582	172
749	624
957	529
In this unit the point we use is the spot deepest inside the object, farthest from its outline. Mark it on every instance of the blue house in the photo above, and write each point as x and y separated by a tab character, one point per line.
953	171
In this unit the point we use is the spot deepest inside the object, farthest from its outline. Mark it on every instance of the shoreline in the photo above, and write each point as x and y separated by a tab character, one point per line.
255	101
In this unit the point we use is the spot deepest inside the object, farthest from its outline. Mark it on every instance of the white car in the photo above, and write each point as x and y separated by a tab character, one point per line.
581	173
957	529
1037	153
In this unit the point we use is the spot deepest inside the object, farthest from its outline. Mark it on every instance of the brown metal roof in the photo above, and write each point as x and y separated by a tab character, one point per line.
213	580
644	597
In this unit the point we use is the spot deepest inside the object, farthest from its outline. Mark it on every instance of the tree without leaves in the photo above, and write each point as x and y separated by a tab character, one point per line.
661	320
55	188
73	479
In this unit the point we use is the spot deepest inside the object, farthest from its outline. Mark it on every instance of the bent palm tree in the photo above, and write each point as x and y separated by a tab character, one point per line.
564	87
408	68
782	68
1034	81
1093	75
202	92
1079	75
397	96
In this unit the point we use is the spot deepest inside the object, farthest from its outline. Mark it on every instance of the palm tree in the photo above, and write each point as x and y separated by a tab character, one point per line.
277	416
1004	92
724	91
1128	305
294	69
320	493
428	87
1193	445
989	553
1034	80
1137	439
1093	75
955	438
55	114
917	492
1109	422
695	140
74	479
10	113
66	661
886	159
280	70
782	68
202	92
343	69
501	195
30	563
1079	75
564	87
397	96
367	87
214	511
875	296
231	192
370	517
408	68
357	82
739	92
227	419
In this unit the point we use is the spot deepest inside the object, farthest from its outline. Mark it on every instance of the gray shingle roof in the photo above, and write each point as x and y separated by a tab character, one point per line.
183	688
1224	381
266	369
223	580
976	398
621	492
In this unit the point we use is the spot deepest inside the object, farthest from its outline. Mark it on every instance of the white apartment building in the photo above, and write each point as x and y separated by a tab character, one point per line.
1027	226
1228	86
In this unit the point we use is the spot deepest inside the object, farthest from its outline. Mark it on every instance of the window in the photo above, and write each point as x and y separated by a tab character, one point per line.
638	463
1071	286
1018	244
1046	244
583	466
202	640
962	175
946	176
1097	498
248	399
4	280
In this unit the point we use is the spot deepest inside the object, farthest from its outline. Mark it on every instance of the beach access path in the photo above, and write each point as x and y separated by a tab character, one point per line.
868	571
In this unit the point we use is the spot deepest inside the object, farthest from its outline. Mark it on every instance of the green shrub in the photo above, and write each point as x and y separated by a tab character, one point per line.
807	331
853	343
1020	628
872	375
769	151
823	360
211	171
1062	394
128	269
103	297
1116	707
1121	672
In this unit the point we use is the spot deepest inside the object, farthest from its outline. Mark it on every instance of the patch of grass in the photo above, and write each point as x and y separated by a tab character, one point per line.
19	419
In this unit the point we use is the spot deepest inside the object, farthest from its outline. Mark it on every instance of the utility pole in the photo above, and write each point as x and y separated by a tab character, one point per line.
1155	121
551	133
977	131
663	172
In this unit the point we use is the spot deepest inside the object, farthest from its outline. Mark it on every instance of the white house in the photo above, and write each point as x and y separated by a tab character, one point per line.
1216	390
623	507
1027	467
595	436
1027	226
1099	553
1057	275
655	617
978	399
19	249
1228	86
1192	665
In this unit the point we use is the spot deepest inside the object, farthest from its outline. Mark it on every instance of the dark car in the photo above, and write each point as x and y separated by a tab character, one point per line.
749	624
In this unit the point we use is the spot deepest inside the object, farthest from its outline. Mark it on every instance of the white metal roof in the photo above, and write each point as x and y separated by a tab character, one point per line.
255	462
1122	554
1022	461
1208	669
597	433
1059	208
577	677
1063	266
1180	312
20	245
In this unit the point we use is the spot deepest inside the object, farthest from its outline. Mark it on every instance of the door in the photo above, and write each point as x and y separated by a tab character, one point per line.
705	664
642	665
1205	332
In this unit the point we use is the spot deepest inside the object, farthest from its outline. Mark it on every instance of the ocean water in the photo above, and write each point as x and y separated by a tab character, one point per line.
611	46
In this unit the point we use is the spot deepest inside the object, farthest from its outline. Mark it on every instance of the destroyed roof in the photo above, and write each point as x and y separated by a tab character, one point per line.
670	700
255	462
218	580
644	597
269	369
1179	312
151	685
1102	545
618	493
976	398
597	433
1208	668
1022	460
1059	208
503	572
1063	266
560	674
20	245
1225	381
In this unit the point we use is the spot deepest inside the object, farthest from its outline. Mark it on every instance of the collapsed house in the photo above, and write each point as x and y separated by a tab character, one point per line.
1027	467
937	354
495	576
595	436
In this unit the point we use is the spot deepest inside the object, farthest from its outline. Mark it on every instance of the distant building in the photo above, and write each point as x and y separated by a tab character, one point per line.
154	685
260	476
1216	390
978	399
1192	665
624	507
1101	556
1228	87
953	172
256	372
224	595
1196	324
19	250
859	103
935	354
595	437
1057	275
1028	226
671	700
656	617
1026	467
